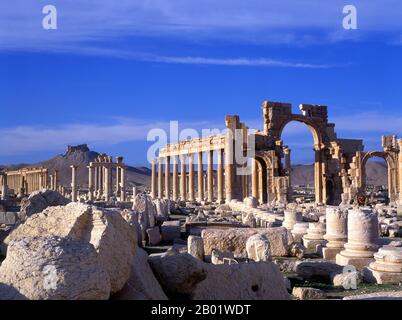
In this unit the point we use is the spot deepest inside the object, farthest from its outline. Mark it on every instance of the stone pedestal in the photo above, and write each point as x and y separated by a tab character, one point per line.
336	232
362	239
291	218
387	267
299	230
314	236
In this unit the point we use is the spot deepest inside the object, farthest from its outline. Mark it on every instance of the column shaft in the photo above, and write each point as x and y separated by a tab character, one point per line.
200	176
210	176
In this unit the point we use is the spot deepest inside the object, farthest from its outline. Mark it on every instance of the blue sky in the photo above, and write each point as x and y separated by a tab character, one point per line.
114	70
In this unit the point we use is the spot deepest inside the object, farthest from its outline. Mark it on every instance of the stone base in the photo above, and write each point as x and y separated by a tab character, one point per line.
380	277
330	253
311	245
358	263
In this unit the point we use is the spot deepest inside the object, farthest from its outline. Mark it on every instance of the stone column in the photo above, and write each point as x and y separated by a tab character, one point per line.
90	182
108	183
175	178
200	177
291	217
220	177
319	197
167	177
191	196
153	180
210	177
314	237
118	176
254	179
123	183
362	239
400	172
55	181
336	234
95	178
101	174
4	187
74	183
229	161
160	178
299	230
183	177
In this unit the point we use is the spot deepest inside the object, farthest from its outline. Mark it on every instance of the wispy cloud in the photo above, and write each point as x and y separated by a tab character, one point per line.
269	21
260	62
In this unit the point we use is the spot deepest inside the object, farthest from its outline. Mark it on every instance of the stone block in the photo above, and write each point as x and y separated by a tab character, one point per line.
170	230
154	236
330	253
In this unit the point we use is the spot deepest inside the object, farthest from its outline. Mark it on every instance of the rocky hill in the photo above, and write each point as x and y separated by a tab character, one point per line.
81	156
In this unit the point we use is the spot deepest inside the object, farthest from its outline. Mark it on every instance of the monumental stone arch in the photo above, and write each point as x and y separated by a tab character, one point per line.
338	168
392	156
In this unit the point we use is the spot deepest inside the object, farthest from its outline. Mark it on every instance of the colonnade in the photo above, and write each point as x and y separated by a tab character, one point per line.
100	179
24	181
192	182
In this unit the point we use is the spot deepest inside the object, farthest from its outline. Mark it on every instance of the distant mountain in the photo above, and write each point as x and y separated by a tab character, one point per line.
376	172
82	156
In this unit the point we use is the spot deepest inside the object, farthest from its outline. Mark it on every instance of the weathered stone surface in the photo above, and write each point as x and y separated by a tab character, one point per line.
132	219
248	219
178	274
154	236
53	268
243	281
196	247
258	248
39	201
113	239
234	239
317	270
304	293
251	202
162	207
219	257
142	284
297	250
145	209
170	230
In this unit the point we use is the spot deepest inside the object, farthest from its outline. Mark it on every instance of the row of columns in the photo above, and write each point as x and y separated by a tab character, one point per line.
24	181
161	178
100	180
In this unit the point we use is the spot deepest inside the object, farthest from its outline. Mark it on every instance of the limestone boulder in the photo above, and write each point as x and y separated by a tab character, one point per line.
235	239
132	219
178	273
258	248
142	284
162	207
39	201
53	268
195	247
114	240
243	281
145	209
304	293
